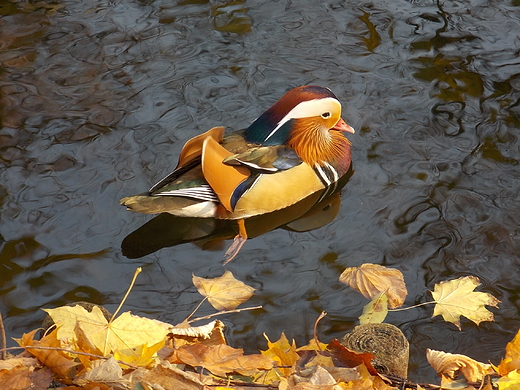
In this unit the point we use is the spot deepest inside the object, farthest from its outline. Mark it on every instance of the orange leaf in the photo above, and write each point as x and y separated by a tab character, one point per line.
56	360
511	360
347	358
16	379
372	279
221	359
281	352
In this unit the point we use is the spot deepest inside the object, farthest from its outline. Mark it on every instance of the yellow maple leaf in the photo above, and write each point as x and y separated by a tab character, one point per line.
128	334
224	292
511	360
281	352
373	279
456	297
448	364
510	382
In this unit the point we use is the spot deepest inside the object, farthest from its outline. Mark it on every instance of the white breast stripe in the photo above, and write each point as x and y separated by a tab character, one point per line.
323	176
329	177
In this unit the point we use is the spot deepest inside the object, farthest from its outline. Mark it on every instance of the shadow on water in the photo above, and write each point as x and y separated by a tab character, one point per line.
167	230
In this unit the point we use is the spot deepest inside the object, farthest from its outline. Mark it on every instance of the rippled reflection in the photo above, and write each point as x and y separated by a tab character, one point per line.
167	230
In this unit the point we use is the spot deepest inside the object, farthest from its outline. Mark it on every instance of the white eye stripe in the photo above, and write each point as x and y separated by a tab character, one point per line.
308	108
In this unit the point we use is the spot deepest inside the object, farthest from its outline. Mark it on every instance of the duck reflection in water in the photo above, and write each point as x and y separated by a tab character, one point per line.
167	230
294	153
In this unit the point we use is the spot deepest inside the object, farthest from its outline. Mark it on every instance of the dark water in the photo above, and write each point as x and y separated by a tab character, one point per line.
98	97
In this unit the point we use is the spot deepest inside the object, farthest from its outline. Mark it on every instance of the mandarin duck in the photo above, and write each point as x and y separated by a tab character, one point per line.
294	149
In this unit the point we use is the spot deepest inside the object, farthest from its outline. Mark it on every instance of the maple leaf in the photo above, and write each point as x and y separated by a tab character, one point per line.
372	279
281	352
511	360
224	292
127	334
456	297
56	360
448	364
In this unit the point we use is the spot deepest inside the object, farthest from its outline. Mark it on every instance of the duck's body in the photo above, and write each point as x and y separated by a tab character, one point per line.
293	150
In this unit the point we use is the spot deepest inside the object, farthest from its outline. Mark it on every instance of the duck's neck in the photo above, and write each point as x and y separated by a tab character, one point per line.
318	146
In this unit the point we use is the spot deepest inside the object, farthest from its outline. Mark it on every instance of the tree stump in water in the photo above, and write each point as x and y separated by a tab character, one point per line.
386	342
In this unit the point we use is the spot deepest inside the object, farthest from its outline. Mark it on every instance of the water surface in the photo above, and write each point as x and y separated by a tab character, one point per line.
98	97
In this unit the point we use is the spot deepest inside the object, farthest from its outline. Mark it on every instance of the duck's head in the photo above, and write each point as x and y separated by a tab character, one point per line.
308	119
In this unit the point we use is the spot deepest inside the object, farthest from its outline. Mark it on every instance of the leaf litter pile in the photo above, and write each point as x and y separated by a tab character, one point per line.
87	348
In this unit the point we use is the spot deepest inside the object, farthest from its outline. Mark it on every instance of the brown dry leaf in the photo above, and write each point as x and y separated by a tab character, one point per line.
210	334
316	376
372	279
17	362
225	292
57	361
281	352
167	376
448	364
456	297
22	373
106	372
347	358
16	379
511	360
221	359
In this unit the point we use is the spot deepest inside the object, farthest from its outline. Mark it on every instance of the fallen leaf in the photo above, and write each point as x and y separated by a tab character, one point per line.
456	297
140	356
510	382
314	375
224	292
56	360
221	359
312	346
373	279
281	352
365	381
375	311
209	334
344	357
166	376
106	372
511	360
126	334
9	364
448	364
25	377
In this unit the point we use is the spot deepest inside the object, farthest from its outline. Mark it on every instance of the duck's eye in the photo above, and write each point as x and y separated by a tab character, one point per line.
325	115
